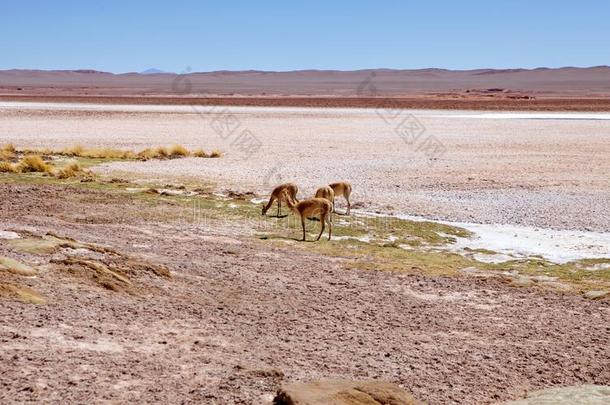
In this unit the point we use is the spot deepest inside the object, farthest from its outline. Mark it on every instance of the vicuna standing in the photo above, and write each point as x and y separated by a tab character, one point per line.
315	207
327	193
342	189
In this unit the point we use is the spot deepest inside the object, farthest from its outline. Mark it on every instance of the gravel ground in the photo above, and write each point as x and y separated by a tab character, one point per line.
239	317
550	172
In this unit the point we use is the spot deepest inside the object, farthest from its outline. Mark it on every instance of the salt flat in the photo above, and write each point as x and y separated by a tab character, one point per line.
543	170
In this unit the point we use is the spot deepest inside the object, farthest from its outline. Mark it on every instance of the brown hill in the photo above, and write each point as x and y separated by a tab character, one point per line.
542	82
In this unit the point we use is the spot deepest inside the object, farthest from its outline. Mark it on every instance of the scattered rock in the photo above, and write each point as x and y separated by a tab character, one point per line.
272	373
543	278
599	266
239	195
136	189
579	394
596	294
521	281
9	235
171	192
343	392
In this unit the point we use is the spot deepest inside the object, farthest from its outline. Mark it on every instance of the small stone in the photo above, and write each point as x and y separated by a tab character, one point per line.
521	281
596	294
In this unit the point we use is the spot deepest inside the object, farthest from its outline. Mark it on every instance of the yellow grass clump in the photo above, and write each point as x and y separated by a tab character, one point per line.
97	153
161	152
70	170
146	154
7	167
200	153
33	163
7	152
179	151
39	151
107	153
76	150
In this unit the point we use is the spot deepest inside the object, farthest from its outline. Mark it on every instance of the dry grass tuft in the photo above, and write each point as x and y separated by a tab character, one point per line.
178	151
76	150
216	154
161	152
97	153
9	147
39	151
7	167
71	170
7	152
200	153
146	154
33	164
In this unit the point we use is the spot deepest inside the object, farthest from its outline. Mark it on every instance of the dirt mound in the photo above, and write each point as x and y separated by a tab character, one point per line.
343	392
95	272
112	274
86	264
16	267
20	293
12	273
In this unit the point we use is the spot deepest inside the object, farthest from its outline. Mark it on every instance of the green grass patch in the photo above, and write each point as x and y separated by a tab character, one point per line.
392	244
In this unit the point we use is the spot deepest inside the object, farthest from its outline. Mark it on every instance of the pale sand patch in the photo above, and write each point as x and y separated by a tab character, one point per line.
544	170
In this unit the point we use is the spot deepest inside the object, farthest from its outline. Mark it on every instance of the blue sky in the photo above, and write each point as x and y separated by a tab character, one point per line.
122	36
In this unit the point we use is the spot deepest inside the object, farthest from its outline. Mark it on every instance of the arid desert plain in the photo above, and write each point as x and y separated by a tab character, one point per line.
474	267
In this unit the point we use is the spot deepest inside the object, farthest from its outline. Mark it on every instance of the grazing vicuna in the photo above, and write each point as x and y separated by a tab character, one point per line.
319	208
277	195
342	189
327	192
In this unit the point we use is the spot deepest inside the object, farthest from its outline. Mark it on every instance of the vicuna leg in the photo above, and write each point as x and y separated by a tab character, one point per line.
279	207
303	225
349	206
330	225
322	221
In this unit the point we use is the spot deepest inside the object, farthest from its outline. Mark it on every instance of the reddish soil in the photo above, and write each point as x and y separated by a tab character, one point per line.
239	316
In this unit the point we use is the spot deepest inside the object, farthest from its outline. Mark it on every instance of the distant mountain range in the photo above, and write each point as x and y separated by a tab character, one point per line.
565	82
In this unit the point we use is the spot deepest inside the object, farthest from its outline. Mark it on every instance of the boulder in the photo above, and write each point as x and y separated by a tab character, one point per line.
578	394
343	392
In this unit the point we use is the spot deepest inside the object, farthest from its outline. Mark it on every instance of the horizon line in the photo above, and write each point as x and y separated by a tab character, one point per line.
189	72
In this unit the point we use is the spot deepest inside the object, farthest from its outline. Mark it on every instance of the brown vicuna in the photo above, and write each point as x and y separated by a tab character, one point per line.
277	195
327	193
342	189
319	208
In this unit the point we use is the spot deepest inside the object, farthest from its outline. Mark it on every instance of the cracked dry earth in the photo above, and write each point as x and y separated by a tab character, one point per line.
239	316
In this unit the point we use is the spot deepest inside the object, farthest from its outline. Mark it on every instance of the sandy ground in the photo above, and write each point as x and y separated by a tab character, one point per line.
540	170
240	316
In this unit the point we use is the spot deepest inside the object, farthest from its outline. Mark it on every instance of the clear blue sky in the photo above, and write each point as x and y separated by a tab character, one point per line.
122	36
